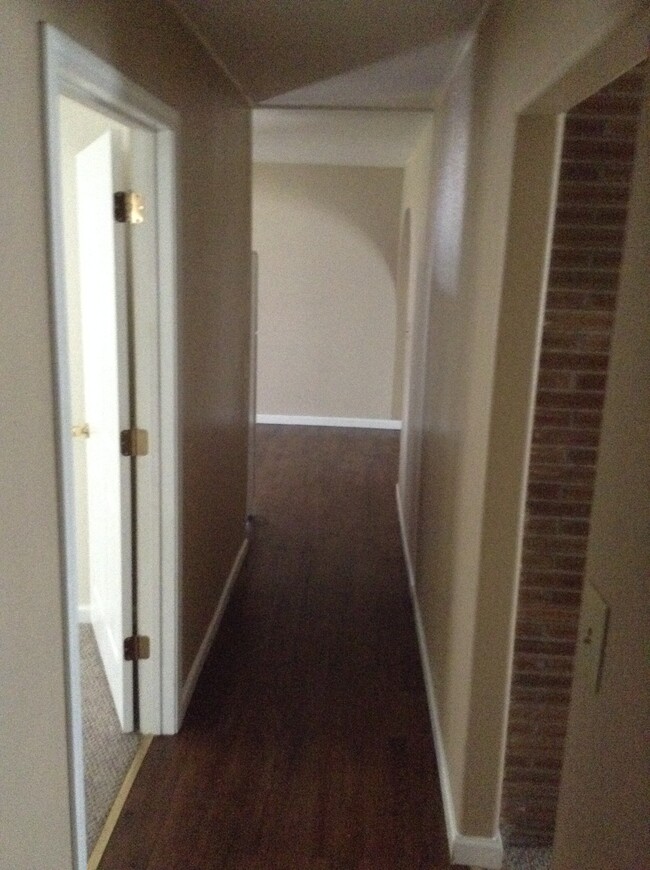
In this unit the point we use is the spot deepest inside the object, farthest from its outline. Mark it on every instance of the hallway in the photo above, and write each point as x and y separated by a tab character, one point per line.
307	744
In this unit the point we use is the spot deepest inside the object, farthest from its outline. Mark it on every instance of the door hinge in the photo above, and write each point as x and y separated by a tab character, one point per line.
136	647
134	442
128	207
81	431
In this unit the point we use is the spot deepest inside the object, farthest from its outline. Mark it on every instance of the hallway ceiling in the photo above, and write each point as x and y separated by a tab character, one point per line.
334	137
390	54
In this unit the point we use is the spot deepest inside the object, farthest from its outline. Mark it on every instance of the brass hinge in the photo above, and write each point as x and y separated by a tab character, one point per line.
81	431
134	442
128	207
136	647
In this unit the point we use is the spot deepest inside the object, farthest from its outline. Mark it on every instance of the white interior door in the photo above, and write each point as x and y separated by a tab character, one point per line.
103	290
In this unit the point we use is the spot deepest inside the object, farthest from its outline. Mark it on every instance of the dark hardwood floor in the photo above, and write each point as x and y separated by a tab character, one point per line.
307	744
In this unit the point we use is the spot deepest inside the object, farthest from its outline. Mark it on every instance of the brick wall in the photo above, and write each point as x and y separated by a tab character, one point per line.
597	159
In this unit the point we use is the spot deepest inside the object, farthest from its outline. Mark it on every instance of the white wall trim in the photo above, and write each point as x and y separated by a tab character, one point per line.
210	634
405	547
484	852
344	422
84	614
73	71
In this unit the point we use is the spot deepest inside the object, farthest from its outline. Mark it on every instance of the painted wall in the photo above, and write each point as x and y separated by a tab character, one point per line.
415	247
330	323
605	785
466	600
213	162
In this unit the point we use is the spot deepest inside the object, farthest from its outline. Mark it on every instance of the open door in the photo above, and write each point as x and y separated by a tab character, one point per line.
105	352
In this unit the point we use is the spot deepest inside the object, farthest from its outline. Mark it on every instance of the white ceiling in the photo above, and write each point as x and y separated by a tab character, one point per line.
412	80
352	53
336	137
336	58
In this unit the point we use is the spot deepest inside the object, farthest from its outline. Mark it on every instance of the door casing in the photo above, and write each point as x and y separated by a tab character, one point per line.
73	71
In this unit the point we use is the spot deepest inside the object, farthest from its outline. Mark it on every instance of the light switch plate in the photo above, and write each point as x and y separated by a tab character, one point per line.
592	635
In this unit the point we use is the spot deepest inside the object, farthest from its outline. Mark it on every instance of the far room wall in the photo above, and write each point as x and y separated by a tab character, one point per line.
331	325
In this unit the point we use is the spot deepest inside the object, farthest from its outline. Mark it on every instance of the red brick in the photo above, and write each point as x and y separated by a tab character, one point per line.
544	490
553	578
548	623
575	299
580	304
588	237
587	419
545	597
557	399
579	320
544	561
554	544
591	382
600	127
573	437
590	214
598	150
577	342
582	455
584	279
525	717
602	173
592	193
545	418
567	473
552	455
526	743
550	380
525	644
574	361
548	695
574	527
541	524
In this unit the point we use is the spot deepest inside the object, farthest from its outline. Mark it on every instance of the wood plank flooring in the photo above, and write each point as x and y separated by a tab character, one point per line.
307	745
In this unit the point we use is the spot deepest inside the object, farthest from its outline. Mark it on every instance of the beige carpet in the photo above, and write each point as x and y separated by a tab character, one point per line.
108	753
526	859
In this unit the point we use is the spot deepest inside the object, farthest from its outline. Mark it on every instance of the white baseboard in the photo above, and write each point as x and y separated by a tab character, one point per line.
204	649
405	547
84	613
484	852
343	422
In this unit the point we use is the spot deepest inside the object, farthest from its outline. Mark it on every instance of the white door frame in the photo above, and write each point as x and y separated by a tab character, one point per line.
73	71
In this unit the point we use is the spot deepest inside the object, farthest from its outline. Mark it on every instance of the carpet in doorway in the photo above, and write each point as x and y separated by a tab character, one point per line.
108	753
526	859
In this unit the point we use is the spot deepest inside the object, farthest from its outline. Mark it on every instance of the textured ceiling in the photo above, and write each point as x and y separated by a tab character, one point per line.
336	53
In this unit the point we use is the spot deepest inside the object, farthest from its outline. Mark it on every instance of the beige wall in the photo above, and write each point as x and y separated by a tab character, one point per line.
214	300
605	792
467	604
415	243
330	322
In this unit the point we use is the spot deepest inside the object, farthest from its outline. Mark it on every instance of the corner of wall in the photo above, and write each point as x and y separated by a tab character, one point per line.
481	851
211	632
